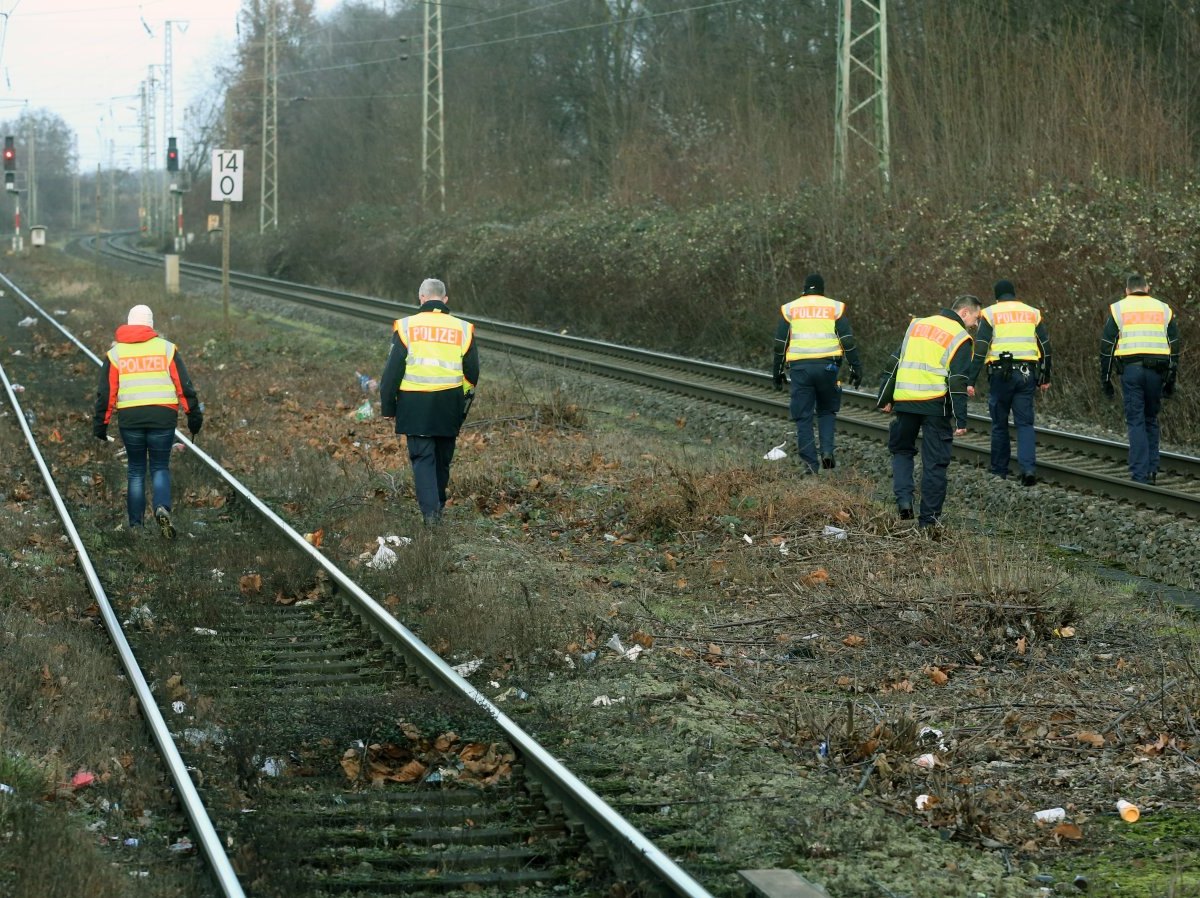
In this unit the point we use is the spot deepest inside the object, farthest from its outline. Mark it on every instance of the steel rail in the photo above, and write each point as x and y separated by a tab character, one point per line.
595	355
189	797
598	818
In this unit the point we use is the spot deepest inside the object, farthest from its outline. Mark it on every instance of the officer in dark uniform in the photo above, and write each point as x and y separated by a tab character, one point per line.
1141	340
811	340
926	389
431	371
1013	344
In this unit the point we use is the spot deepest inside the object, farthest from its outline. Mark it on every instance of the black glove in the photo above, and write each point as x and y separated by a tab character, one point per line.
100	431
855	378
1109	390
195	419
778	380
1169	389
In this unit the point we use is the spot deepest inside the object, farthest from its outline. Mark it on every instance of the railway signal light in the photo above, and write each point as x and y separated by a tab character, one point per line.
172	155
10	154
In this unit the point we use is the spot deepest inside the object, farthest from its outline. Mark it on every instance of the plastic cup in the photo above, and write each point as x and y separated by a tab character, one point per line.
1129	812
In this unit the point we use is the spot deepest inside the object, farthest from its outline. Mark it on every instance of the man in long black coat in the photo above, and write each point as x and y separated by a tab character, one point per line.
432	368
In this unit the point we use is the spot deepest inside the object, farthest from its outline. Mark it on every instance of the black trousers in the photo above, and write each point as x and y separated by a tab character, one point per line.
937	443
431	457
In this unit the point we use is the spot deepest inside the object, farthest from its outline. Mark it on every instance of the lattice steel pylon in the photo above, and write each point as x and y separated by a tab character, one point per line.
147	127
861	104
153	210
268	208
433	132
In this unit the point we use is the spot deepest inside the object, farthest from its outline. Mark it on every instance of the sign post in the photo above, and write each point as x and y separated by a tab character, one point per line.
226	188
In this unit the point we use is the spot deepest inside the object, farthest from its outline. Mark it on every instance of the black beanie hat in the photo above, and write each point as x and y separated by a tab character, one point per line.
814	283
1005	289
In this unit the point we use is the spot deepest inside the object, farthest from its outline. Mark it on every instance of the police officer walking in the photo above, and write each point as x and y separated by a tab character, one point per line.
811	341
145	382
1014	346
926	389
1141	339
431	371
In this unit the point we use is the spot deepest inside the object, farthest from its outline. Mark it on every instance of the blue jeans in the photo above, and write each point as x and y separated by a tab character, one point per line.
1014	394
814	388
141	443
937	443
1141	391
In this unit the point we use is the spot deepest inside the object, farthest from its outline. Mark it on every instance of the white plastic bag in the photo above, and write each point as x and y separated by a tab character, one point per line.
385	556
777	453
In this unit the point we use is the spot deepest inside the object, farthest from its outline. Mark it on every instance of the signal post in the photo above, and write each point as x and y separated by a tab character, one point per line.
176	190
10	186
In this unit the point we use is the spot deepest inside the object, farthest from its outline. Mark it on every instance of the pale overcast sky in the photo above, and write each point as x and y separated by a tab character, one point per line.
85	60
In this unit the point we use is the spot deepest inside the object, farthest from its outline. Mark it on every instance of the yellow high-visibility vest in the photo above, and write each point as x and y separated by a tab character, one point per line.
1142	322
1014	329
436	343
814	331
929	345
144	373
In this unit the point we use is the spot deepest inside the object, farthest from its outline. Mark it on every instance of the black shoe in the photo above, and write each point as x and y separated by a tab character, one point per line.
906	513
1154	476
1028	479
828	463
164	522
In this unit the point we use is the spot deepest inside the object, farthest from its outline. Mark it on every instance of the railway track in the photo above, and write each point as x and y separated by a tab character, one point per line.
1086	463
315	744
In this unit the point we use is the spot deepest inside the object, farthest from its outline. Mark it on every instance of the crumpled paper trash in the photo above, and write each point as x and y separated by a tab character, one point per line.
27	322
833	532
467	668
777	453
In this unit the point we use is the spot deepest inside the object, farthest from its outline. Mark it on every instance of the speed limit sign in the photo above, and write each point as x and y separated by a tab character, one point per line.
227	174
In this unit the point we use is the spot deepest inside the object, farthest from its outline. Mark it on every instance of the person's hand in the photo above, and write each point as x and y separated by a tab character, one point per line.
970	392
195	420
960	431
100	432
886	409
1169	389
1044	387
1109	390
855	378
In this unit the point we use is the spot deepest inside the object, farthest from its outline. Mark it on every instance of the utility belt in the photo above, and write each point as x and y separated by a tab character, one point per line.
1159	363
1005	366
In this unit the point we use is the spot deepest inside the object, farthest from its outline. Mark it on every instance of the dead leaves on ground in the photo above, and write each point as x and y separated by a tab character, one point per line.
420	759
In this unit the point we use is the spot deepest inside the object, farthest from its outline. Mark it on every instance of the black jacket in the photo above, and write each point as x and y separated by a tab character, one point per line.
433	414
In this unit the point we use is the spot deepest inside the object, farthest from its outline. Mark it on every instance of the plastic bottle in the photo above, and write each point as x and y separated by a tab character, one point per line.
1128	810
